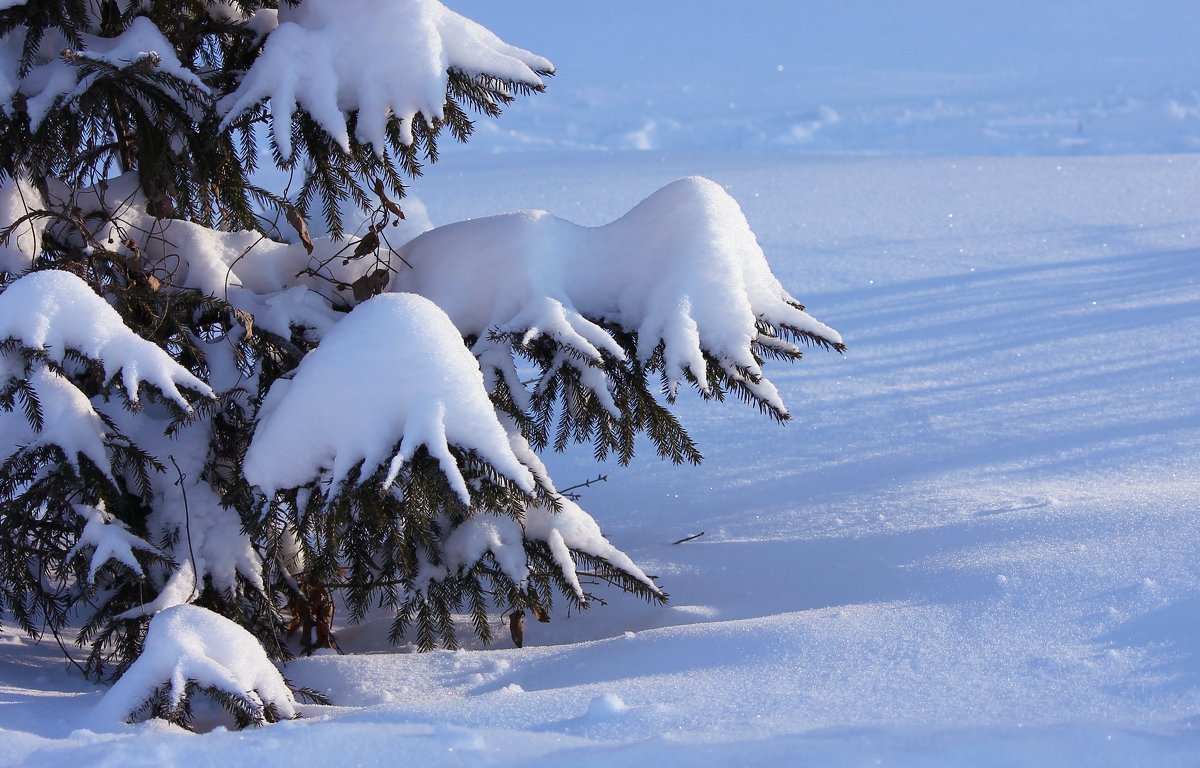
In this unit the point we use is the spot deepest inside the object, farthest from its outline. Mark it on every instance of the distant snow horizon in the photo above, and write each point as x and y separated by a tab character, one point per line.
929	77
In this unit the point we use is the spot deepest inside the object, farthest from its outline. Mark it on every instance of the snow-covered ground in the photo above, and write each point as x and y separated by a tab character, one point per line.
977	542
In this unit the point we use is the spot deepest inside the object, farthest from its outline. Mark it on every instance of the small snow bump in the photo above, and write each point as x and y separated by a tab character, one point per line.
605	706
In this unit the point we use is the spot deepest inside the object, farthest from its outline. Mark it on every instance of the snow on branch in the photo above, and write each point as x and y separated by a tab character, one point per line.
188	648
18	199
682	270
54	311
109	539
214	547
564	530
62	415
141	44
392	371
379	59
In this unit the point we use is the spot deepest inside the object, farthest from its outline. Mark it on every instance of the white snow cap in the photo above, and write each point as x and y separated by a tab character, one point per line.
393	370
376	57
55	311
682	268
188	643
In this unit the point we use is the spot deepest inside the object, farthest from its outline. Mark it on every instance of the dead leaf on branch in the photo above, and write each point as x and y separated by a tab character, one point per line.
370	285
516	627
387	201
368	244
297	221
247	321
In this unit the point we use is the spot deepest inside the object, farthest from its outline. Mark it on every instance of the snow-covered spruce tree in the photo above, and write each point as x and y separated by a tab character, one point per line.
205	405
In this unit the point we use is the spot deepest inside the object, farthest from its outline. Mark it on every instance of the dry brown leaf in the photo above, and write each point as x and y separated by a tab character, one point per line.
516	627
367	245
370	285
297	221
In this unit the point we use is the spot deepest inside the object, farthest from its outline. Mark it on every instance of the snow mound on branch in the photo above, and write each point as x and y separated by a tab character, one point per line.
54	311
395	369
681	269
140	41
281	284
210	543
109	539
270	279
68	420
569	529
190	644
335	57
17	199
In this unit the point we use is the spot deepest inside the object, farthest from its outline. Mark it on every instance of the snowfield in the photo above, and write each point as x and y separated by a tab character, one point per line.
977	542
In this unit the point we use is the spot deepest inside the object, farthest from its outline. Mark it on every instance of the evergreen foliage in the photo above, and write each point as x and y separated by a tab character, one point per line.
125	162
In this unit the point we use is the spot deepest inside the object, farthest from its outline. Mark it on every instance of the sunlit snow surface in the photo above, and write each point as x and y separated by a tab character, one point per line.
975	544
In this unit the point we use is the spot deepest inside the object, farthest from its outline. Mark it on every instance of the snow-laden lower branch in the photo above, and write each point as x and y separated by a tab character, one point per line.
188	649
682	270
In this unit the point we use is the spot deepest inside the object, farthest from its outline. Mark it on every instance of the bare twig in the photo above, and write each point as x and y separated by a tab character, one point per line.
187	522
689	538
566	492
